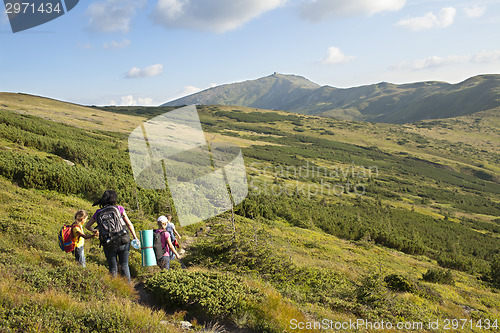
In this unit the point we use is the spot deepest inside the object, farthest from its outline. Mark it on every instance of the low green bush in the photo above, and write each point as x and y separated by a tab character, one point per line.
226	298
371	290
495	270
208	295
400	283
438	276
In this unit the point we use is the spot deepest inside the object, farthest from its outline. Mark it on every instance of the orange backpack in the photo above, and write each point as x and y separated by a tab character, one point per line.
65	238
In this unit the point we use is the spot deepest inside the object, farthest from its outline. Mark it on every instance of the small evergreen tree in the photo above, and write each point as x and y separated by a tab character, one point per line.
495	270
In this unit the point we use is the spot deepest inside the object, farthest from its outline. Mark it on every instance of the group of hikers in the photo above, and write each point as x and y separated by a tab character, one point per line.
115	230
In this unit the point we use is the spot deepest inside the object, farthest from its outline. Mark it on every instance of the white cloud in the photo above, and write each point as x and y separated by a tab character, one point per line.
317	10
444	19
336	56
212	15
147	101
475	11
189	90
130	100
435	61
116	45
483	56
113	15
153	70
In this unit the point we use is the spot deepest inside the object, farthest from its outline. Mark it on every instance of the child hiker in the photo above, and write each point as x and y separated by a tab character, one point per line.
166	243
79	236
170	227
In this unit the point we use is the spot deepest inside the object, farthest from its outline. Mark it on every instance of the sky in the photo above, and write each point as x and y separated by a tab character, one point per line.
148	52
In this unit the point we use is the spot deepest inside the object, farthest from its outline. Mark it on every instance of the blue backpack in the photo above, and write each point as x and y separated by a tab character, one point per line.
170	230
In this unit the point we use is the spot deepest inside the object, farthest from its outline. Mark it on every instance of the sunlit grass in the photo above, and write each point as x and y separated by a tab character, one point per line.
68	113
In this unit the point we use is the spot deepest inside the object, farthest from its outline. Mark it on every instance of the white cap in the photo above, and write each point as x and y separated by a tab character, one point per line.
162	219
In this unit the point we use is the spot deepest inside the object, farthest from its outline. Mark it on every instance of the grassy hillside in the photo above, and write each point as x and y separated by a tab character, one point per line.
344	221
57	294
67	113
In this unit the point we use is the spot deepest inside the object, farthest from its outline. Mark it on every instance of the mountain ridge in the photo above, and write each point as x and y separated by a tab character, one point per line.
381	102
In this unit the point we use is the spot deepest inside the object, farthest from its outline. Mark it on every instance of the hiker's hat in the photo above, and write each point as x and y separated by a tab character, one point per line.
162	219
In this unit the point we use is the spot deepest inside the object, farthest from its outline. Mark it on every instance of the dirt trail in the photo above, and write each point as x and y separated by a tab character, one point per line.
145	298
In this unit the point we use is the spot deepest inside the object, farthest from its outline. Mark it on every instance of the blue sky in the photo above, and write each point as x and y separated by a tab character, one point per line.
147	52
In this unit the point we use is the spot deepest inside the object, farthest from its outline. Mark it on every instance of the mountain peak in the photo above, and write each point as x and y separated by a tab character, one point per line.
270	92
296	80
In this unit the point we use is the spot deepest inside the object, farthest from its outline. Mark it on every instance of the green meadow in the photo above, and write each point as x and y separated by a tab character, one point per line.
344	222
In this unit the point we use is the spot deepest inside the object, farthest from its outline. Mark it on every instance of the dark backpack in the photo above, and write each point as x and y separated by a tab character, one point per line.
112	229
157	245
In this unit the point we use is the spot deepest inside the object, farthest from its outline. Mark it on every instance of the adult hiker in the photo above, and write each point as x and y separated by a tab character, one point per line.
114	228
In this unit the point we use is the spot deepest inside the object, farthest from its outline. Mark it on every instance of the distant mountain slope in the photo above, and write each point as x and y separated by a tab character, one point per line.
382	102
276	91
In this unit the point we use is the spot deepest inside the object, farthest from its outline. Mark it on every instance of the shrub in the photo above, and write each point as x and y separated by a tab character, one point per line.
242	256
495	270
438	276
210	295
224	297
400	283
371	291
